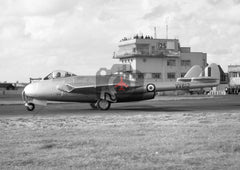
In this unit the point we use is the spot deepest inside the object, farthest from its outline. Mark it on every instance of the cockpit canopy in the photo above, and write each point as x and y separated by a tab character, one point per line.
58	74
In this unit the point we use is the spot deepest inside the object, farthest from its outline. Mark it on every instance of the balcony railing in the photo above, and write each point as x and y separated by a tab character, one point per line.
165	53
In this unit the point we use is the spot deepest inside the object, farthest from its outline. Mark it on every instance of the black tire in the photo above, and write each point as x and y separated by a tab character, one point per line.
103	104
30	106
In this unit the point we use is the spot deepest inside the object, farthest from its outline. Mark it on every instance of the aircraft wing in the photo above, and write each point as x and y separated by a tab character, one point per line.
89	88
80	89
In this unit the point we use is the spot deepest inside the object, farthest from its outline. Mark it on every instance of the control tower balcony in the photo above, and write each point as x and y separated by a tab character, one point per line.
147	48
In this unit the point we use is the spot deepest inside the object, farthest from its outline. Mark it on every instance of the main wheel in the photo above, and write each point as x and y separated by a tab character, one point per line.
30	106
93	105
103	104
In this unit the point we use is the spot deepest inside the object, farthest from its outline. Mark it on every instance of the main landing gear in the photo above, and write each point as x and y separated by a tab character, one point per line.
101	104
30	106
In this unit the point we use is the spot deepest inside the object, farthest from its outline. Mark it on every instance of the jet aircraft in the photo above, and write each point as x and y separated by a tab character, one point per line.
101	91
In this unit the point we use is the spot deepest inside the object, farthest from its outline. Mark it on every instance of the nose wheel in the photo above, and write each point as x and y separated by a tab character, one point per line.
30	106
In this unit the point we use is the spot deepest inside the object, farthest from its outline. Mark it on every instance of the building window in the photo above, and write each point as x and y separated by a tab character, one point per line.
140	75
153	49
156	75
183	74
234	74
171	75
171	62
185	62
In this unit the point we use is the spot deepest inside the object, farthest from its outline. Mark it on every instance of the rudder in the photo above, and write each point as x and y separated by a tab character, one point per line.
211	71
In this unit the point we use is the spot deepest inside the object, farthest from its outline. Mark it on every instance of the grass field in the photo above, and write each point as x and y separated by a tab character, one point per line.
167	140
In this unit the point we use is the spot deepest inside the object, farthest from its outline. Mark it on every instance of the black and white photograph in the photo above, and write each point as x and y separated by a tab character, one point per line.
120	84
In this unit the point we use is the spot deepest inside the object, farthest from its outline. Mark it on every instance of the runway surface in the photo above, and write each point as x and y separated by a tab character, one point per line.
159	105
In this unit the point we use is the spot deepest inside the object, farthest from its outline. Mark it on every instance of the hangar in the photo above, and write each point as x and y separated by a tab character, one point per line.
7	86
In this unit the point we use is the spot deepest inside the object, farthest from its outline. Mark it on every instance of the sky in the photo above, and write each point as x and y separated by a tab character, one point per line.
80	36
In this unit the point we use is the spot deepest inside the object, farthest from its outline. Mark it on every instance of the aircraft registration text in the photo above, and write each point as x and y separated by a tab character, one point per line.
182	85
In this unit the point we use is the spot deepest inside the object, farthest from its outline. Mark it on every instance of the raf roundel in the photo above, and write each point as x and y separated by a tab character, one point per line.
151	87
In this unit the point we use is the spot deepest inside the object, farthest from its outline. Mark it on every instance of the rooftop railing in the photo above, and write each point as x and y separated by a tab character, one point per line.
165	53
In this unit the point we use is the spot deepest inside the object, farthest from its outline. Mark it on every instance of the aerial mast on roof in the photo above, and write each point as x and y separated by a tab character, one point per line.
167	31
155	33
167	27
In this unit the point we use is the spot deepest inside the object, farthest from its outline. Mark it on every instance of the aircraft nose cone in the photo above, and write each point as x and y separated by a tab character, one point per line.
29	90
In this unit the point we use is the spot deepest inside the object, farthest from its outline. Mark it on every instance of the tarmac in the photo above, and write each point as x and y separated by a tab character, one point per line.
157	106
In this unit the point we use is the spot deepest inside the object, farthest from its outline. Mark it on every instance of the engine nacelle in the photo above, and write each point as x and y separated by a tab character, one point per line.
135	96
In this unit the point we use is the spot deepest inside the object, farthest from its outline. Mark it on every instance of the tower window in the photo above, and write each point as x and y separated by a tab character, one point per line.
153	49
140	75
156	75
183	74
171	75
185	62
171	62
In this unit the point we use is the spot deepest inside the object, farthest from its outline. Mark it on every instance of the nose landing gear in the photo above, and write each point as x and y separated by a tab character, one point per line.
30	106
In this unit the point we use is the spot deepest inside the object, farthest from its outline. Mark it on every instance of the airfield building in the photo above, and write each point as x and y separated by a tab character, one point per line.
234	79
158	59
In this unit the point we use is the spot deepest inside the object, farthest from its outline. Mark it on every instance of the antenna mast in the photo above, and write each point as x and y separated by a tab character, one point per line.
167	27
167	31
155	33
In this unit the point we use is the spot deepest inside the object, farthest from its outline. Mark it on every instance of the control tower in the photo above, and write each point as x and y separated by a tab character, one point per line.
158	59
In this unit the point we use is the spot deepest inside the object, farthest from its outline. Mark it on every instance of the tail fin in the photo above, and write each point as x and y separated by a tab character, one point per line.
195	71
210	75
